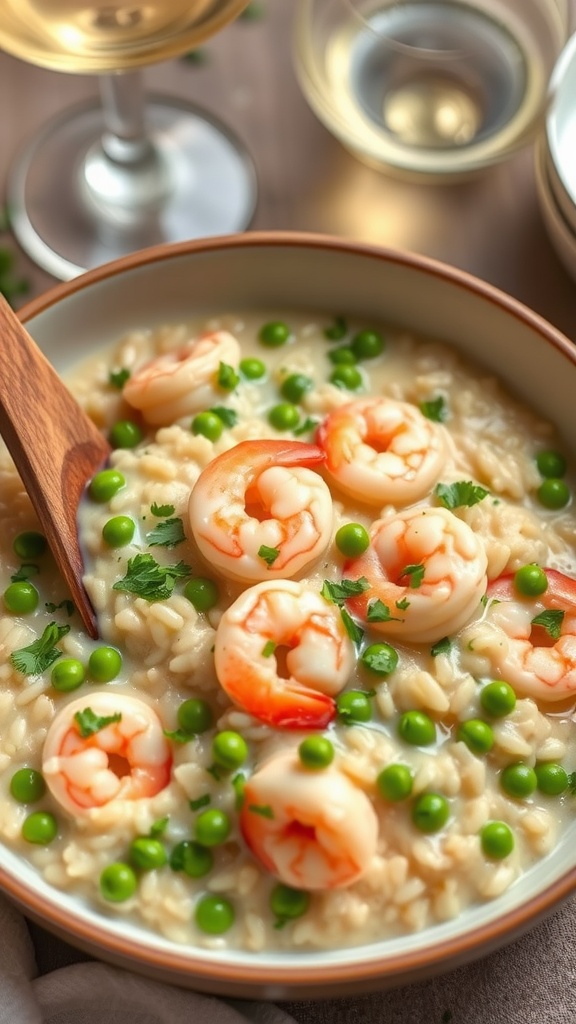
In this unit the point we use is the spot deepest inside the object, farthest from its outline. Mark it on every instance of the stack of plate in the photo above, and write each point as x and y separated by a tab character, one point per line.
556	159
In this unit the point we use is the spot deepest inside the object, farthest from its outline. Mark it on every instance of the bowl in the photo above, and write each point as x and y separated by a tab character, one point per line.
560	133
299	272
559	229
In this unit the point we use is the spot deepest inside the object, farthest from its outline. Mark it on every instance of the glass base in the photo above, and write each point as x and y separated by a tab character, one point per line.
208	188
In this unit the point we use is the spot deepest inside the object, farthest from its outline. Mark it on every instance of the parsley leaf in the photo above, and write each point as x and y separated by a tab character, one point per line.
379	612
443	646
238	784
159	827
415	574
403	604
167	534
464	492
201	801
551	620
337	330
88	723
26	571
268	649
268	555
354	631
229	417
339	592
66	605
264	810
227	377
381	658
306	426
118	378
146	578
41	653
178	735
434	409
572	783
161	510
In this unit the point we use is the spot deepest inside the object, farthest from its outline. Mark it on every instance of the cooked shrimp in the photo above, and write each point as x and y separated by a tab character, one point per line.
427	567
281	652
379	450
126	758
258	513
311	829
534	660
184	381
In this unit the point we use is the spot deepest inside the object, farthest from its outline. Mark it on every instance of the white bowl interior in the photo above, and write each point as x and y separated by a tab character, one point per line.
561	131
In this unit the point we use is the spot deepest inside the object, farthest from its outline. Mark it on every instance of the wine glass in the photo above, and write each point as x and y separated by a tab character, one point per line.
107	178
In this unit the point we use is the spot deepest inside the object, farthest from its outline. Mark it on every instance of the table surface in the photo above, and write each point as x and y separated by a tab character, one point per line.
490	226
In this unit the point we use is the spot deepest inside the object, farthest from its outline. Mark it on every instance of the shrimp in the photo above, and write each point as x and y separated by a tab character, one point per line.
538	659
181	382
379	450
89	761
428	570
281	652
313	830
256	511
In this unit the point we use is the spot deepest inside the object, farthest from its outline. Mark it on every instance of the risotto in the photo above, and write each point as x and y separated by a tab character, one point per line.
332	701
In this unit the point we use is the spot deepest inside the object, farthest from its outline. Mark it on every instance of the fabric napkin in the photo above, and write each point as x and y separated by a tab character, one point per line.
532	981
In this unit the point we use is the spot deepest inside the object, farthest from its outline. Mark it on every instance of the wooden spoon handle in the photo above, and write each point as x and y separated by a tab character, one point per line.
55	446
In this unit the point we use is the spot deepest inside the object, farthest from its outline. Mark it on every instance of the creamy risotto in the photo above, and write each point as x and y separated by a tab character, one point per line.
333	696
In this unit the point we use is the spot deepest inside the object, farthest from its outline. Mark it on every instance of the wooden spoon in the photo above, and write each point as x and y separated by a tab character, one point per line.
55	446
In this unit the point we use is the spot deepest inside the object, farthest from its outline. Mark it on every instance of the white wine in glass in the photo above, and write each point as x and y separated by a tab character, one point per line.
104	179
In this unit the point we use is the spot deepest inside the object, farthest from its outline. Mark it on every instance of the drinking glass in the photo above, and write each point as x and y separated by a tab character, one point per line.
110	177
429	87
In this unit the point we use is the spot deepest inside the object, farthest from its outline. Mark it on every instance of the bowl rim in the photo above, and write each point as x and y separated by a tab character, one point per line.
195	966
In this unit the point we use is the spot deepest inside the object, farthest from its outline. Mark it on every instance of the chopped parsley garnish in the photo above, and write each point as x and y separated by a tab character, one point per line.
268	649
238	784
551	620
89	723
264	810
227	377
337	330
146	578
354	631
160	511
377	611
201	801
464	492
306	426
66	605
167	534
229	417
339	592
118	378
26	571
434	409
402	605
382	659
41	653
178	735
268	555
159	827
443	646
415	575
572	783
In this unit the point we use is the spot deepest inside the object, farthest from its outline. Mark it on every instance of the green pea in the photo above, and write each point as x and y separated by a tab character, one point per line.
295	387
477	735
194	716
553	493
518	780
208	424
498	698
274	334
202	593
30	544
367	344
395	782
381	658
118	882
552	778
354	706
147	853
551	464
21	597
252	369
497	840
212	827
348	377
342	356
352	539
105	485
316	752
288	903
214	915
430	812
27	785
67	675
125	434
417	728
104	664
118	531
284	416
39	828
229	749
530	580
191	858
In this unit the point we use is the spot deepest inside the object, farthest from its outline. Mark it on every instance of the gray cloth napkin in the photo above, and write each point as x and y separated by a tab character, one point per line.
532	981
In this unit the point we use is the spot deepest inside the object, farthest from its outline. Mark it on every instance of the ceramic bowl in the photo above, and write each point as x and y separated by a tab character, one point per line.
560	134
559	230
307	272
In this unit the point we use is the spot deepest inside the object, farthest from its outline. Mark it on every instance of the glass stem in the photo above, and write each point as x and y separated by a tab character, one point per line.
124	139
